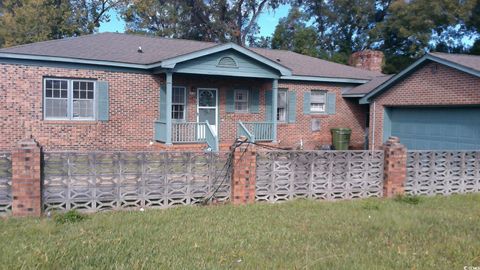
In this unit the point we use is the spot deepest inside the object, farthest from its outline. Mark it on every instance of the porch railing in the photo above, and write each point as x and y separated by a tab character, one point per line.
184	132
261	131
188	132
211	137
243	131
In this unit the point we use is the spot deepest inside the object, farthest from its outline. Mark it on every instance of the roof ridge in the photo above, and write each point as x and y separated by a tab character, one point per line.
51	41
157	37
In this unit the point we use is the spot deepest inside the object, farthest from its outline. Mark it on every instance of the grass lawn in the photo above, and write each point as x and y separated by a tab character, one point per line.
436	233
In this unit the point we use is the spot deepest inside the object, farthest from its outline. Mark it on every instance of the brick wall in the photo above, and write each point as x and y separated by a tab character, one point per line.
134	108
431	85
349	114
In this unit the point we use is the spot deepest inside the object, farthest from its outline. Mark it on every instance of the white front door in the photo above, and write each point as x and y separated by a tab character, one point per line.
207	107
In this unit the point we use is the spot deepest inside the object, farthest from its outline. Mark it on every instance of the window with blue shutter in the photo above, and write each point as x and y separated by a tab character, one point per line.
268	106
292	106
102	101
306	103
331	103
254	99
163	103
230	100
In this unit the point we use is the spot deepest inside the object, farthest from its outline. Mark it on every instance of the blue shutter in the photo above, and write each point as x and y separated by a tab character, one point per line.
331	103
253	100
163	103
230	106
102	101
306	102
292	106
268	106
186	104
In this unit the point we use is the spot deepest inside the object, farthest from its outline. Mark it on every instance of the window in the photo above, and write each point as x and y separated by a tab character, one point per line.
69	99
318	101
227	61
179	100
83	99
282	106
241	100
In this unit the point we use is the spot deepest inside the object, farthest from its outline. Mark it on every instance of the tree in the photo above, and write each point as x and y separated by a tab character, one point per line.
293	34
27	21
207	20
344	26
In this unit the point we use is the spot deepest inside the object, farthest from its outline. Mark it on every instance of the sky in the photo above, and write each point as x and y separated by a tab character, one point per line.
267	21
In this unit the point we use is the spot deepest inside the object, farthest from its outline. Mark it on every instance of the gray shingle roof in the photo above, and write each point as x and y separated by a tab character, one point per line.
123	48
113	47
303	65
467	60
369	86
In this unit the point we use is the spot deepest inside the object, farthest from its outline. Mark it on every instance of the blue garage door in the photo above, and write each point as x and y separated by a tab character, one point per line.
450	128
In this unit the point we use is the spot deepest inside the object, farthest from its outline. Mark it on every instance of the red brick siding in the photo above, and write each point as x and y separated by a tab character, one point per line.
349	114
432	85
133	109
134	100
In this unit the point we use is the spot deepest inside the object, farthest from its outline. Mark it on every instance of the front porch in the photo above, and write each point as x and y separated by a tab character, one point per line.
217	114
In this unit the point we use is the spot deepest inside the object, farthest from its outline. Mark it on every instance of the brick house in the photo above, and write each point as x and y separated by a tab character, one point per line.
128	92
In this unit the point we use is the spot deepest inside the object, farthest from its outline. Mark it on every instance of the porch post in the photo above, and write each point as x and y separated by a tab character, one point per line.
274	108
168	110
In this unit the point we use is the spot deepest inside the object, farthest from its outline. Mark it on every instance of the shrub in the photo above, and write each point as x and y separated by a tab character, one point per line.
72	216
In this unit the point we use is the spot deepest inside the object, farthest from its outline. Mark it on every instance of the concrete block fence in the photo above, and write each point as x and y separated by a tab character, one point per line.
33	181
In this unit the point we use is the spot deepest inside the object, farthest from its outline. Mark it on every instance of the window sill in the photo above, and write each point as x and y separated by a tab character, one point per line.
319	115
70	122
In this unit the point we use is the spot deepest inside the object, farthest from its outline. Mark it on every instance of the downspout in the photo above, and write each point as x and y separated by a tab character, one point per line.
373	127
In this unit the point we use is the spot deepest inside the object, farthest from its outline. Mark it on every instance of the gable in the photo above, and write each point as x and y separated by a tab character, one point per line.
433	83
227	63
412	69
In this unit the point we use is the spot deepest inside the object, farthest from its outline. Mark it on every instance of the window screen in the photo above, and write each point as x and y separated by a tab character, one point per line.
178	103
282	106
69	99
318	101
241	100
83	97
56	99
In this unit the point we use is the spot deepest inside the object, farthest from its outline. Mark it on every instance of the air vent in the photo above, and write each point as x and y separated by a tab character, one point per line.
227	61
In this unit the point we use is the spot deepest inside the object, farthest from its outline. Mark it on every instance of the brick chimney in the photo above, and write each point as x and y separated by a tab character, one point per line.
368	59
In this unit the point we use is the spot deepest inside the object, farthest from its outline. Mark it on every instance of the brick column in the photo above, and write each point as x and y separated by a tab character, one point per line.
26	186
395	167
244	175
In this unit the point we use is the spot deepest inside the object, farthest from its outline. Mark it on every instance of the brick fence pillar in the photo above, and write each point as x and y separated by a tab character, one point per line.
395	167
244	175
26	186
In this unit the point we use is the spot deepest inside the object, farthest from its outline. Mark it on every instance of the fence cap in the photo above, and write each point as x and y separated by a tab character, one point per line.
28	143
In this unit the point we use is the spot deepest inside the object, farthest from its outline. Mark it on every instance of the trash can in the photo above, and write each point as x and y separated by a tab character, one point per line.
341	138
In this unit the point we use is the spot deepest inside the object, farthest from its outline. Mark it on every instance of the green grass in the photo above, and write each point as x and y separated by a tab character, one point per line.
435	233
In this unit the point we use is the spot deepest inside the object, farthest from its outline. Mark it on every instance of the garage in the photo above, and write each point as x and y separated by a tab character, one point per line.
434	128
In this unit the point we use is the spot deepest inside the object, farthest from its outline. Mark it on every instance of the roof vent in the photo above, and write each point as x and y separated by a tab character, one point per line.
278	60
227	61
140	49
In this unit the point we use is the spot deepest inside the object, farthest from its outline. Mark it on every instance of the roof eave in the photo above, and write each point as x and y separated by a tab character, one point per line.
353	95
323	79
70	60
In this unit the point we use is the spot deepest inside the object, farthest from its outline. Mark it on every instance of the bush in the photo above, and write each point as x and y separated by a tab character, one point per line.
72	216
414	200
